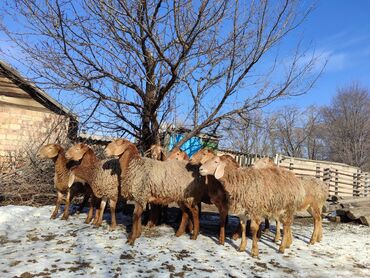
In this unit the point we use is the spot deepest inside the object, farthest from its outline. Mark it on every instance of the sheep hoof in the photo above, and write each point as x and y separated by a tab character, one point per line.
53	216
150	224
281	250
235	236
254	254
241	249
266	230
64	217
221	242
178	234
111	229
194	237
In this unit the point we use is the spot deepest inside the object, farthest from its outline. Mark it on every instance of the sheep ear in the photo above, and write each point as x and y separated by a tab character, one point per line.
220	170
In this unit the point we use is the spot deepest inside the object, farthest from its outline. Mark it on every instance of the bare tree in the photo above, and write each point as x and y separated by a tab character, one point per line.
347	124
252	134
129	60
297	131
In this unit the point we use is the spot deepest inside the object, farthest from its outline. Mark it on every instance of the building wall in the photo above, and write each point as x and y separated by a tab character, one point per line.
25	125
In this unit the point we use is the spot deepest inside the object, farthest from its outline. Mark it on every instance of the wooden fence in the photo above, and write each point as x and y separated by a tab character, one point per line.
343	180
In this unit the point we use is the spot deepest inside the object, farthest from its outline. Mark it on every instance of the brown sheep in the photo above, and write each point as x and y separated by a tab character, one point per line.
61	175
258	193
149	181
177	154
214	189
102	175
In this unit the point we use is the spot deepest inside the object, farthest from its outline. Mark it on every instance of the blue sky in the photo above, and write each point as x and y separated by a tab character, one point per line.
338	31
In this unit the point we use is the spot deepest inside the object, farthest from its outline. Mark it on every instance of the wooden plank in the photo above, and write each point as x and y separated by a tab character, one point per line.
19	101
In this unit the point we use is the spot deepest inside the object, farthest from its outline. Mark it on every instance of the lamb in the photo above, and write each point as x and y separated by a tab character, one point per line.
146	180
103	177
316	193
258	193
61	175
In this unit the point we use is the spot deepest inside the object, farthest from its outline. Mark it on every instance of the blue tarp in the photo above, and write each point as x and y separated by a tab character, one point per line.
191	146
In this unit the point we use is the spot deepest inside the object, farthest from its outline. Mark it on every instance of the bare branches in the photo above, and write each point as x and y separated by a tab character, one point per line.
131	55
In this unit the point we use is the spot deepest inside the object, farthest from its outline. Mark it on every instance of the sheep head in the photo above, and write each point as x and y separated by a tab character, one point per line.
157	152
117	147
177	154
202	156
264	163
49	151
77	151
214	166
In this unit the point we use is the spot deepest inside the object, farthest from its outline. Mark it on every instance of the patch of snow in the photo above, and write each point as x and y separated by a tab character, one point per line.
31	243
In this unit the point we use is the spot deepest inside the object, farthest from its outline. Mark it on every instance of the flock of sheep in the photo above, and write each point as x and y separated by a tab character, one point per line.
256	193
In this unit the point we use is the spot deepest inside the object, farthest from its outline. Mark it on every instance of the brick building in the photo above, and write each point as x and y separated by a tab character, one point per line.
29	117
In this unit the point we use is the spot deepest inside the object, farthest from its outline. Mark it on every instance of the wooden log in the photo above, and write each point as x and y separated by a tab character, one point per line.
365	220
356	213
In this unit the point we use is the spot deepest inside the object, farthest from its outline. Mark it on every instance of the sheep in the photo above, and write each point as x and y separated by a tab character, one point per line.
177	154
316	193
146	180
156	152
258	193
102	175
214	189
61	175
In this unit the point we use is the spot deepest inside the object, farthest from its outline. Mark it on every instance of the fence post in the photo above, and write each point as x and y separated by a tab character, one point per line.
359	183
366	184
318	172
327	177
336	183
354	184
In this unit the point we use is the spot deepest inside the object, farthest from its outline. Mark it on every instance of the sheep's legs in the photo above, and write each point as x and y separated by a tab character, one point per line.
255	226
57	205
267	225
66	208
184	219
287	236
92	204
112	205
154	213
277	233
222	210
237	233
243	224
84	202
136	224
103	203
315	212
319	234
195	214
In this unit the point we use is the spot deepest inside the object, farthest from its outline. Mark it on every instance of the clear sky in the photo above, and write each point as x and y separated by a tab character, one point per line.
338	31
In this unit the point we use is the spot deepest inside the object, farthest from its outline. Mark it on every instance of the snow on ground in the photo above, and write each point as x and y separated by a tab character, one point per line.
32	245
